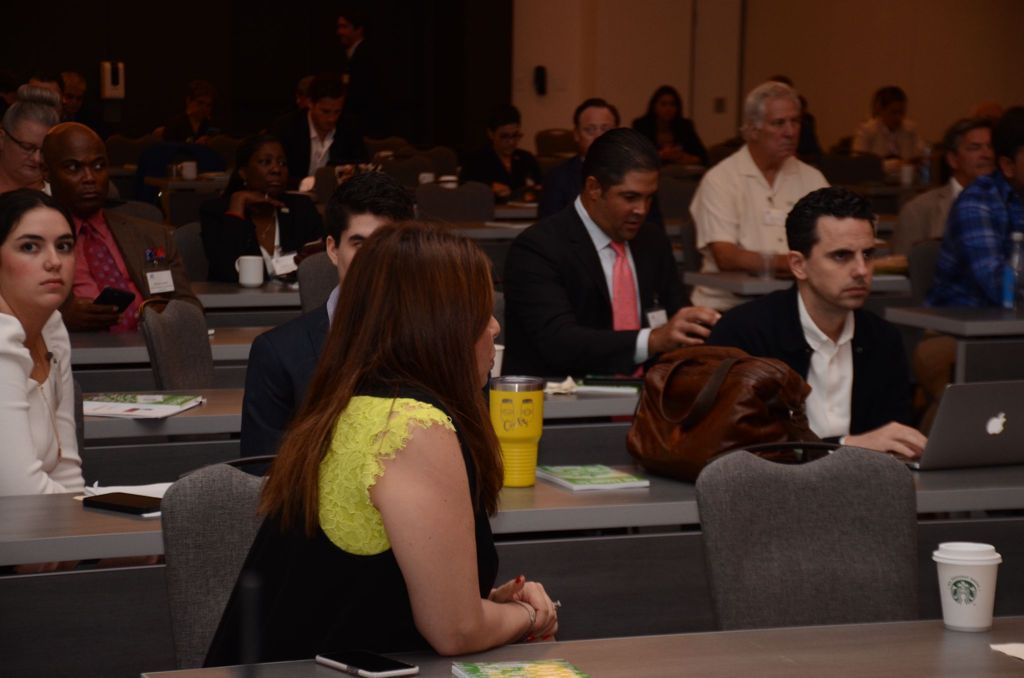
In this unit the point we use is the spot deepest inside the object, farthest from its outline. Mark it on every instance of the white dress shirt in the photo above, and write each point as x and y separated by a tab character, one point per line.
319	149
603	245
830	376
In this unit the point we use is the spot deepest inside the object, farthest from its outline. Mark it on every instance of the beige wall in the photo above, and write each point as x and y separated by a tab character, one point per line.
946	54
618	50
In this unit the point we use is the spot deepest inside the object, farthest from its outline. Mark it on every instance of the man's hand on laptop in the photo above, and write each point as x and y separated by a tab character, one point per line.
893	437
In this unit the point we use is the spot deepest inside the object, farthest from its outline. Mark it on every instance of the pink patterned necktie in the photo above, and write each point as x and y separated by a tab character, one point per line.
105	272
625	315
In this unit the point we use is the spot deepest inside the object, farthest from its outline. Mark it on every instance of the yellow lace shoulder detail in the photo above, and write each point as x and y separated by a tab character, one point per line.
370	430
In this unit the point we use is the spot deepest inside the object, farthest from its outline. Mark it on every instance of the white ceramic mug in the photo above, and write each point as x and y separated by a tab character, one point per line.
189	170
499	354
250	271
449	181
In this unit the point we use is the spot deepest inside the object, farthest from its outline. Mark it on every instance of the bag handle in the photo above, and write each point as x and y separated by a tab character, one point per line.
705	399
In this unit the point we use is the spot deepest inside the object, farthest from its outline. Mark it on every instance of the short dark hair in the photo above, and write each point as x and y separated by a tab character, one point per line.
832	201
505	114
15	204
594	102
243	155
617	152
357	16
1008	133
42	76
373	193
887	95
326	86
954	136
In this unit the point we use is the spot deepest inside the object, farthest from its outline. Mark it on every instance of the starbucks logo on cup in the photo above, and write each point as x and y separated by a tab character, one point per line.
963	590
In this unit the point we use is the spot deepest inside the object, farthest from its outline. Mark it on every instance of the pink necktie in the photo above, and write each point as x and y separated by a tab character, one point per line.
625	315
105	272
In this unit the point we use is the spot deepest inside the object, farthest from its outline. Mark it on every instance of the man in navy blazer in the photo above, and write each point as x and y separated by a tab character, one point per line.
315	138
559	274
282	361
852	359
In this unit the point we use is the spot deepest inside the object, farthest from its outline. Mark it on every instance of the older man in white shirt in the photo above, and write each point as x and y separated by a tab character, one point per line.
741	204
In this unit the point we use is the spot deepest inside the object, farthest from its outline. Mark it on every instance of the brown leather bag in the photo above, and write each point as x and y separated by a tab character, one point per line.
700	401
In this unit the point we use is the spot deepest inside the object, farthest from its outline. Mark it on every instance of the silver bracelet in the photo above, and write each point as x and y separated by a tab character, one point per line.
530	611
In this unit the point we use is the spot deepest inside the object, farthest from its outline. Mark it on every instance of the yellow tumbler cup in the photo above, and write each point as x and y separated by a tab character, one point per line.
517	414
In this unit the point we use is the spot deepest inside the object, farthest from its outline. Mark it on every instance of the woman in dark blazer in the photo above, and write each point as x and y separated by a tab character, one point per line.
254	215
673	135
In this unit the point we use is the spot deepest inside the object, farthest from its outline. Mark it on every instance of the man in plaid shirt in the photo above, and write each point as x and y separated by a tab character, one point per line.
969	271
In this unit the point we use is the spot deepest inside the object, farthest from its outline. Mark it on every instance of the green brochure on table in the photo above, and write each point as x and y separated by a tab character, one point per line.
138	405
591	477
540	668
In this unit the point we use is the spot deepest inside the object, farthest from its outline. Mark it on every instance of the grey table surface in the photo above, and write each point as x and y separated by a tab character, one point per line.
960	322
103	348
221	295
906	649
749	285
57	527
222	413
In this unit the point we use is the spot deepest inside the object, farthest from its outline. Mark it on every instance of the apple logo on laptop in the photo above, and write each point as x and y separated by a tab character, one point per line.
996	424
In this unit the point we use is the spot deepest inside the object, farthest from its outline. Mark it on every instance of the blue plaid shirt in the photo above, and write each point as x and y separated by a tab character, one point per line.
969	270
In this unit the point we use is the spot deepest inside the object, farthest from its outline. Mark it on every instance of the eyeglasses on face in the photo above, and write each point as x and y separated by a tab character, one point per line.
29	149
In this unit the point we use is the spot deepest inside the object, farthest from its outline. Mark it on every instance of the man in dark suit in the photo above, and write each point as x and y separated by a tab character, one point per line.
852	359
111	249
315	138
366	106
282	361
595	288
563	183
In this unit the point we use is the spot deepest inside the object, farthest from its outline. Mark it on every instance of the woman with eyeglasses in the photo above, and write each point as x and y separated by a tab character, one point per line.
510	171
24	126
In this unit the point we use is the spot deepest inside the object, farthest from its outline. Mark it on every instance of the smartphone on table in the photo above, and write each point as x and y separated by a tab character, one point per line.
123	502
366	664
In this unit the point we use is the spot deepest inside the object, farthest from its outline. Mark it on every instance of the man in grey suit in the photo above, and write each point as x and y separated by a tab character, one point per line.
111	249
969	155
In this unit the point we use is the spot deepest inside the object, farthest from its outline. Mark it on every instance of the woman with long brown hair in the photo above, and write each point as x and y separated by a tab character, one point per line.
377	534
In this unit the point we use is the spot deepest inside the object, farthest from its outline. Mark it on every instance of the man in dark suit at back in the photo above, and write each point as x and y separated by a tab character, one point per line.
595	288
282	361
315	138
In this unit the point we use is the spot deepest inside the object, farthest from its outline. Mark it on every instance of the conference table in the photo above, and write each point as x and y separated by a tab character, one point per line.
516	211
989	341
231	305
905	649
115	446
745	284
103	361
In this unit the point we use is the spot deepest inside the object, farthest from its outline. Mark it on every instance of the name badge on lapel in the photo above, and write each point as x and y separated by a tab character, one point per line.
158	275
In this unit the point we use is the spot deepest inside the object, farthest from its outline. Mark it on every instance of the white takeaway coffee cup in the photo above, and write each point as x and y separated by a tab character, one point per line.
967	584
250	271
499	354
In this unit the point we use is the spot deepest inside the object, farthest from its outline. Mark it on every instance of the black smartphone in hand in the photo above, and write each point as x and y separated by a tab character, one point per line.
113	296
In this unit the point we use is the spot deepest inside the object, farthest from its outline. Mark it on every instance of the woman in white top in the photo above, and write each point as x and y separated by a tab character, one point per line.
39	453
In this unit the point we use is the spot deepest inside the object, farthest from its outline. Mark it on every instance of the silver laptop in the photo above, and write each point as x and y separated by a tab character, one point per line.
977	424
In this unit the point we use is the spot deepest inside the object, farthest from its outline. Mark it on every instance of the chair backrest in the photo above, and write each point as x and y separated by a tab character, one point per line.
472	201
189	240
832	541
407	170
179	346
226	147
140	210
325	182
674	197
375	146
444	159
209	523
317	277
122	150
852	169
921	266
555	142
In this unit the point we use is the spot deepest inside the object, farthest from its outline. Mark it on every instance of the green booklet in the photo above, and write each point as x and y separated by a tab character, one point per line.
591	477
138	405
540	668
